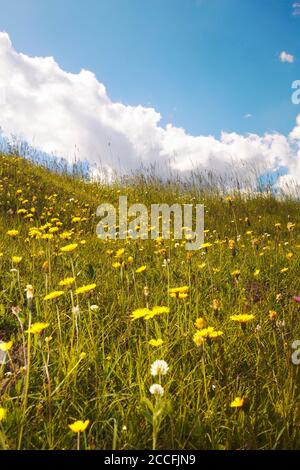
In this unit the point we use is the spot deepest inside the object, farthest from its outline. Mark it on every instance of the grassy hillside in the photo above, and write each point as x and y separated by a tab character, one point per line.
79	355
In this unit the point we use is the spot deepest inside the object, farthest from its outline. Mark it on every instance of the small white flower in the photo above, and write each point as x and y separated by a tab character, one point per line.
76	310
159	368
157	389
94	308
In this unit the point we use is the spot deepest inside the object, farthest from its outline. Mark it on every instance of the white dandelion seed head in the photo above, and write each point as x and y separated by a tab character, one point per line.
159	368
157	390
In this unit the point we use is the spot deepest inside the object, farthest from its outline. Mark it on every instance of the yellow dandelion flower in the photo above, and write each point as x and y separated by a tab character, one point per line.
242	318
156	342
6	346
200	323
54	295
141	269
284	270
238	402
120	253
79	426
37	328
68	281
272	314
17	259
157	311
140	313
2	413
12	233
69	248
116	265
85	289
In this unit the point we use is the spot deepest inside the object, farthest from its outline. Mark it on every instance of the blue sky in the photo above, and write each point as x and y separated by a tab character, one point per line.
203	64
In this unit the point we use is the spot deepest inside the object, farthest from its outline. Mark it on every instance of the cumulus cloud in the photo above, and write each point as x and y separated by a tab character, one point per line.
286	57
56	111
296	8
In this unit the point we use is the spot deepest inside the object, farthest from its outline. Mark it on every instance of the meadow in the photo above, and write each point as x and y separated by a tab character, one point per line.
140	344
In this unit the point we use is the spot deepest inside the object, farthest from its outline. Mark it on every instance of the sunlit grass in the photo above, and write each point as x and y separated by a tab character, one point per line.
83	321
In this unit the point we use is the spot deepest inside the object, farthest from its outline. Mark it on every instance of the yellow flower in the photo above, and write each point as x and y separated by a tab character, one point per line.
198	339
157	311
236	273
12	233
272	314
242	318
179	295
206	245
2	414
67	281
116	265
141	269
238	402
200	323
6	346
79	426
284	270
69	248
37	328
54	295
85	289
140	313
17	259
156	342
76	219
66	235
256	272
120	253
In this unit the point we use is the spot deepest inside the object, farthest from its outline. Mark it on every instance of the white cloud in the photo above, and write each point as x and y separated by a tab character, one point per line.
285	57
296	8
57	111
247	116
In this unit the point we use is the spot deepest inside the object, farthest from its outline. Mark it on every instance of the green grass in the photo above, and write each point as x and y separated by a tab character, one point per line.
109	384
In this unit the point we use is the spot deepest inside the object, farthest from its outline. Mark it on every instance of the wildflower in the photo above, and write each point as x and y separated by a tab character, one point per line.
157	390
200	323
17	259
54	295
29	293
157	311
236	273
130	259
207	334
116	265
141	269
68	281
12	233
79	426
75	220
156	342
2	413
179	292
256	272
278	226
290	226
242	318
120	253
146	292
37	328
140	313
296	298
284	270
6	346
216	305
232	247
238	402
94	308
159	367
198	339
69	248
272	314
85	289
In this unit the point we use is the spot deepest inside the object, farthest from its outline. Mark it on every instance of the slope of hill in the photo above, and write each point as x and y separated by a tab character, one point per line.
82	320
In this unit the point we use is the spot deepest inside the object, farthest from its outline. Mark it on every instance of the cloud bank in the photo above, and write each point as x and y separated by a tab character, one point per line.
56	111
